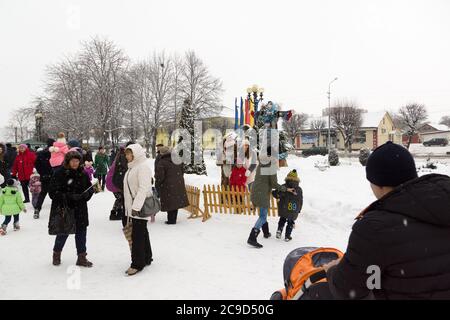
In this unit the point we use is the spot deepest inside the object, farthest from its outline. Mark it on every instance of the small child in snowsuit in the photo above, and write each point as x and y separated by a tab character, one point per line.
289	205
89	170
11	203
35	187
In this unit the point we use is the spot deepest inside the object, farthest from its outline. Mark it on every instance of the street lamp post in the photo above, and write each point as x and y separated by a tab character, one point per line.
329	114
39	117
255	90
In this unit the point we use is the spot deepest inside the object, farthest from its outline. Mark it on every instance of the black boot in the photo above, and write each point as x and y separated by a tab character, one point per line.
289	227
265	229
114	216
252	238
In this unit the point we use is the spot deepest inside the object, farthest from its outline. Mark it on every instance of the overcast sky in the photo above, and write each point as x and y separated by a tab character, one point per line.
385	53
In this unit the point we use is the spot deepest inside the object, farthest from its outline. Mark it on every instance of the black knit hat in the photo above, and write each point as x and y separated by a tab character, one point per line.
390	165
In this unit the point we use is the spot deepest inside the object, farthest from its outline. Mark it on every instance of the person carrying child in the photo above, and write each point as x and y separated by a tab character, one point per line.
35	188
289	205
11	203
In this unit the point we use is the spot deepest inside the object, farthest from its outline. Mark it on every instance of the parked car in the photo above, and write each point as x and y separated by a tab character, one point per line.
436	142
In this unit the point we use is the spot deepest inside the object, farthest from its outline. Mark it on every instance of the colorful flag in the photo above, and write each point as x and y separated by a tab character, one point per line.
241	122
252	113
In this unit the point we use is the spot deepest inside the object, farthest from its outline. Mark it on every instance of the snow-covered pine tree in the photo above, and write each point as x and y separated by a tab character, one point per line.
333	158
364	154
187	122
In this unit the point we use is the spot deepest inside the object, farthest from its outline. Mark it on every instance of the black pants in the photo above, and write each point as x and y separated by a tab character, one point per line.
25	190
43	194
80	241
290	225
172	216
102	180
141	251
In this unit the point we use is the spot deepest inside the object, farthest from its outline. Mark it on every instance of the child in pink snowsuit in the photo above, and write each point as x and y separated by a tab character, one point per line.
58	151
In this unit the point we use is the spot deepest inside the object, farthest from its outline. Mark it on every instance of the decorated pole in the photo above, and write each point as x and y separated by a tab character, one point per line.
241	122
236	120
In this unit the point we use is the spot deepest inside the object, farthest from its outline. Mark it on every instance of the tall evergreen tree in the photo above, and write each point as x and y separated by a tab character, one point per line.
187	122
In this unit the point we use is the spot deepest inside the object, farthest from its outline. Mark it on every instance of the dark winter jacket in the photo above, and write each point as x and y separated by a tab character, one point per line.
158	156
3	164
121	167
10	157
407	235
289	205
24	165
169	183
42	165
66	182
101	164
264	183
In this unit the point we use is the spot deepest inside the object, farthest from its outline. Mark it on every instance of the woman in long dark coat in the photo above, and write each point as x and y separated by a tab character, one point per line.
70	187
169	183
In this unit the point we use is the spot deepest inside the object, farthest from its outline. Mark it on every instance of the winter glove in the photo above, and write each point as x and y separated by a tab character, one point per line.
248	173
135	213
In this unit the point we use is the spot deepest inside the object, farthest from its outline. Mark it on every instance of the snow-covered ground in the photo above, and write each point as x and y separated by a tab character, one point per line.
192	260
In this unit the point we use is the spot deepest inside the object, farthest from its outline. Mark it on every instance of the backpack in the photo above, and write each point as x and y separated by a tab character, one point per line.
303	268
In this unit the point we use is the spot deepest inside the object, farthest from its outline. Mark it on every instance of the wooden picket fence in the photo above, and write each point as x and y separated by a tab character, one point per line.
193	194
226	200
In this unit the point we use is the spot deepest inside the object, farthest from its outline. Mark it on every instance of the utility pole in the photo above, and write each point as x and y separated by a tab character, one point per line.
329	114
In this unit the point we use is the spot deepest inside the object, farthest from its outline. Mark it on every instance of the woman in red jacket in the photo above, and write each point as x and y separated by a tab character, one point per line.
23	169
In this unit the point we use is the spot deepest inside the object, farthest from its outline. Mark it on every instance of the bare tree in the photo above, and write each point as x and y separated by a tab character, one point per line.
346	117
318	125
200	87
68	104
294	126
162	84
411	117
445	120
104	63
20	124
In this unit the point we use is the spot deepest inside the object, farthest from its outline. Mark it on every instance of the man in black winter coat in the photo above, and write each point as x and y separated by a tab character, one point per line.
399	247
10	157
43	167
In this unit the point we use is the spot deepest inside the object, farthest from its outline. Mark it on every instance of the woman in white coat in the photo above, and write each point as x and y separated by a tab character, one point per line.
137	187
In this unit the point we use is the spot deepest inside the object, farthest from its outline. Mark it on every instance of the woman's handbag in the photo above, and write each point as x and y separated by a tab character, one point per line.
128	231
151	204
62	221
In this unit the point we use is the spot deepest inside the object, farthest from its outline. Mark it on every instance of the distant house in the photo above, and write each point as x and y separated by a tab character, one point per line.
377	128
425	133
434	131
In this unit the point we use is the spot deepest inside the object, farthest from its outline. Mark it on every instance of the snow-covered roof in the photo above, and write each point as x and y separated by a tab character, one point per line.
372	119
439	127
369	119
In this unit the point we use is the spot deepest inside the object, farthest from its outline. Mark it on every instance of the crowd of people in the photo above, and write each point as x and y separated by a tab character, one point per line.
65	171
405	232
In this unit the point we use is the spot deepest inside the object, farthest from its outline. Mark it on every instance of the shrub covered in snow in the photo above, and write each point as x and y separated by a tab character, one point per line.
364	154
333	158
315	151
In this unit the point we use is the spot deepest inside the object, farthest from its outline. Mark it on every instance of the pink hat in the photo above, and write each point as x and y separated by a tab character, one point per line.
23	146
